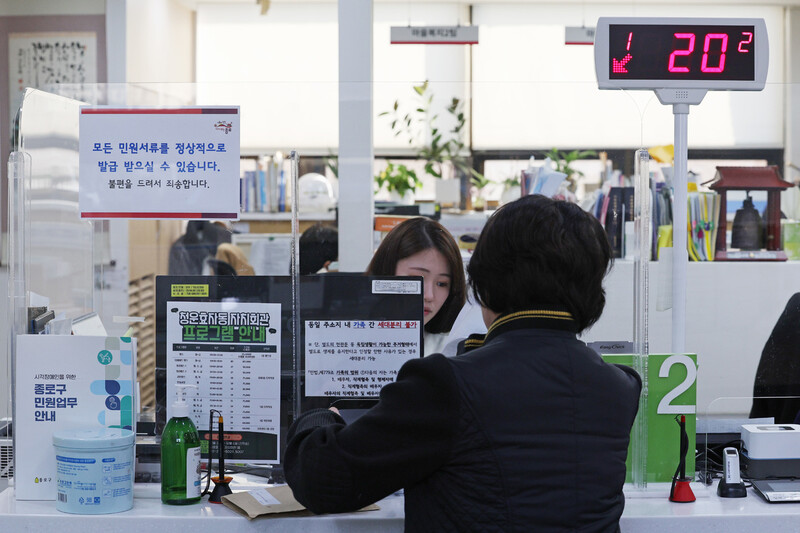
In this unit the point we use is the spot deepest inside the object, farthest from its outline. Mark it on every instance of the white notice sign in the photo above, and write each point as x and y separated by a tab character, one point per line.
159	163
356	358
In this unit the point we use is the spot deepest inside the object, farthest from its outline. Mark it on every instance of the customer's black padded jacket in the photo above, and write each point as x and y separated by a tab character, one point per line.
529	432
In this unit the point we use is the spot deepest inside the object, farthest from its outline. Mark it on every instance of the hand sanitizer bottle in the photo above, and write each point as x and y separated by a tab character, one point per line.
180	455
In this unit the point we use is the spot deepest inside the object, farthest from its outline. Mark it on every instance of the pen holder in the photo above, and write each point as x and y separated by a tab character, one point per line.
731	490
681	491
222	488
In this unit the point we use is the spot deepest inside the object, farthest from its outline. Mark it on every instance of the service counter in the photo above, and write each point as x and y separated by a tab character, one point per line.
648	512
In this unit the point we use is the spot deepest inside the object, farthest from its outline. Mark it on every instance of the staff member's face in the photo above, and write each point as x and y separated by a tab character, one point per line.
436	278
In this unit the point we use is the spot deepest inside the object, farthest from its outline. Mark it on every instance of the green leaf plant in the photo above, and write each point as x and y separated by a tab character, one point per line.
398	178
422	132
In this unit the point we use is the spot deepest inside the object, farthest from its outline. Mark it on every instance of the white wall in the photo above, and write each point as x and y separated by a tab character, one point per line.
160	44
531	90
528	88
281	68
790	199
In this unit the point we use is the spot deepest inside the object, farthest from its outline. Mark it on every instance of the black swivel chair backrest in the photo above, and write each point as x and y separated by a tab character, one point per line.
778	371
219	267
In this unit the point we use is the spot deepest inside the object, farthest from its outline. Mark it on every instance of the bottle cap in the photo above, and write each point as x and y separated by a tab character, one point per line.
179	407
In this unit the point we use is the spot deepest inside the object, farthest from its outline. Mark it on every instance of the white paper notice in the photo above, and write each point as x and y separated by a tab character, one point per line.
159	163
263	497
356	358
231	352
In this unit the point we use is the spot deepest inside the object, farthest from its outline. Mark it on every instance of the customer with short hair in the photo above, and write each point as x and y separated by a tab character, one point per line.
528	431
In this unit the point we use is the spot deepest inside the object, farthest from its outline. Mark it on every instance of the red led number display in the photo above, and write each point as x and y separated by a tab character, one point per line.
681	52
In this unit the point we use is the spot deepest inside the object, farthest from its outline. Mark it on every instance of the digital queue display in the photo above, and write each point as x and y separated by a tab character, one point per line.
690	53
681	52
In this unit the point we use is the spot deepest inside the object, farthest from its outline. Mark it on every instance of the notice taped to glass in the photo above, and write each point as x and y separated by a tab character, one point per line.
356	358
231	352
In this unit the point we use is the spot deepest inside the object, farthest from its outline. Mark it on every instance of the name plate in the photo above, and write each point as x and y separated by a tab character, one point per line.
434	35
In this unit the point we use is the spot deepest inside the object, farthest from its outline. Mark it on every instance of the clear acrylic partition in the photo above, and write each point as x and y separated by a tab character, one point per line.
110	267
62	261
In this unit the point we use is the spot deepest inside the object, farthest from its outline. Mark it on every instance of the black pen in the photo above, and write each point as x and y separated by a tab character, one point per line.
221	447
684	448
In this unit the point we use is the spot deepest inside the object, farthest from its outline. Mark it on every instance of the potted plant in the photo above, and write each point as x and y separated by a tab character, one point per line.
421	128
400	181
479	183
511	190
563	161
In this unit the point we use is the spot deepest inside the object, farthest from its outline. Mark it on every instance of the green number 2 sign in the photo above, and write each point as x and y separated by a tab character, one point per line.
672	391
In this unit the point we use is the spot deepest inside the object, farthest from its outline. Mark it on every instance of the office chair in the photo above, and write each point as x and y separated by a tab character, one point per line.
217	267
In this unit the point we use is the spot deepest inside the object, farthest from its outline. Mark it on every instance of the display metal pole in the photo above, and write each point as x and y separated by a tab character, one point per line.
680	256
680	100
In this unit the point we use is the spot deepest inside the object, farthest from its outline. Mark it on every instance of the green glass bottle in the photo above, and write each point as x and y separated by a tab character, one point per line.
180	456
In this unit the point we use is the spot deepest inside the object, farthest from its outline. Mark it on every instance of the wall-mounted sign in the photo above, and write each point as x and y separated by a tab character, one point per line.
578	35
159	163
434	35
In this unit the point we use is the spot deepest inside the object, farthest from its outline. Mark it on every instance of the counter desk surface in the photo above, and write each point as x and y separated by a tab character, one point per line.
648	512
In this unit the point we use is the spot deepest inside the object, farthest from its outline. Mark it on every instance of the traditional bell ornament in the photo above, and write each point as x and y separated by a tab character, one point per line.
747	227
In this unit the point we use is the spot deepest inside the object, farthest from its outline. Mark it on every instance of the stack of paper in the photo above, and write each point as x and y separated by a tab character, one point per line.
543	180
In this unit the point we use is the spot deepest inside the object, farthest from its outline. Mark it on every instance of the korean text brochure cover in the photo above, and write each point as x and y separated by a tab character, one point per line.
65	382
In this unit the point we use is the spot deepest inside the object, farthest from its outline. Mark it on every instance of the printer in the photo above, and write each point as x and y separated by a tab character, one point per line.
770	450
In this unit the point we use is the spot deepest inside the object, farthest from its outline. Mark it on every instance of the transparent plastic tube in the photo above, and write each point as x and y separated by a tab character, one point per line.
295	274
641	294
19	167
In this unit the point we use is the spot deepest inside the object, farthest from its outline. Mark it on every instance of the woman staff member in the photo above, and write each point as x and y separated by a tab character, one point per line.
527	432
423	247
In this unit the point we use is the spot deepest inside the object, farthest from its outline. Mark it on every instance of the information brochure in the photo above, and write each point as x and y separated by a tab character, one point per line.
66	382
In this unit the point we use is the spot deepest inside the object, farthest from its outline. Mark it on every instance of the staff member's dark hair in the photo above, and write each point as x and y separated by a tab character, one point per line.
415	235
538	251
318	245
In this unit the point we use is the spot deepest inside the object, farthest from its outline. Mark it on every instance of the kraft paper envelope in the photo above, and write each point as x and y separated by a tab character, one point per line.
277	500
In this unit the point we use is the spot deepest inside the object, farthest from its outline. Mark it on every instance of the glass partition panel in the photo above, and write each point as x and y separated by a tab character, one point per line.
60	252
111	267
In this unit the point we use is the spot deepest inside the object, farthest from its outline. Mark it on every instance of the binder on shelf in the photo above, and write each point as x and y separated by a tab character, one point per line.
427	209
616	216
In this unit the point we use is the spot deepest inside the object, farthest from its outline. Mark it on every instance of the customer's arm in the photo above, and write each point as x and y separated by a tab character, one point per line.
332	467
